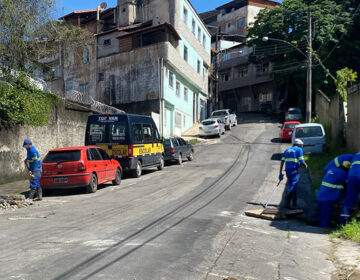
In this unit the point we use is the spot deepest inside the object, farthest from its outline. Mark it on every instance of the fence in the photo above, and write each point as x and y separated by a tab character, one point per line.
353	125
331	113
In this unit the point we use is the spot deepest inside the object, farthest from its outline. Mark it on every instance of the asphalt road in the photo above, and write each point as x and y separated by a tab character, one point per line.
164	225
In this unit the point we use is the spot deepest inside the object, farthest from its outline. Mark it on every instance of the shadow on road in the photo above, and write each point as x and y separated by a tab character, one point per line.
276	157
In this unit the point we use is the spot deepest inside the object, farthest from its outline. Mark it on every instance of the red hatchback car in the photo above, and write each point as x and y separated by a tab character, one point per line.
287	129
79	167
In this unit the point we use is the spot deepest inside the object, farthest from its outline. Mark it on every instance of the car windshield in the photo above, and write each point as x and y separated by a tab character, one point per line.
219	113
290	125
208	122
167	143
311	131
295	112
62	156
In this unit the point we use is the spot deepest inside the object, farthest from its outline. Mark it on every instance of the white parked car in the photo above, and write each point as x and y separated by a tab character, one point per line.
211	127
313	136
293	114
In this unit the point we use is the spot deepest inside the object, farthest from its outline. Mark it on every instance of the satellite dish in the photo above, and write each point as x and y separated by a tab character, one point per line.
103	5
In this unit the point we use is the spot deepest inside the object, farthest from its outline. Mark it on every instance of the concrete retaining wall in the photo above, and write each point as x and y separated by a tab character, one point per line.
65	128
331	112
353	127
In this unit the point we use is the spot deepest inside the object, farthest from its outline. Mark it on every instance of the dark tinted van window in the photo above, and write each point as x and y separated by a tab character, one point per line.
304	132
97	133
62	156
138	133
118	131
148	132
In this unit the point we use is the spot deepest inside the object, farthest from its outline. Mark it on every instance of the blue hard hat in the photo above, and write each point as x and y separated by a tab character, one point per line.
27	142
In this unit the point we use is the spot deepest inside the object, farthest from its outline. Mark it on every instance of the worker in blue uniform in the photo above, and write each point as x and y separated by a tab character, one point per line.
33	164
352	190
332	188
292	158
342	161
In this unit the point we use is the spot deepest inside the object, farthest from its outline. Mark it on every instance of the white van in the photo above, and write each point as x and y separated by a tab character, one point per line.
313	136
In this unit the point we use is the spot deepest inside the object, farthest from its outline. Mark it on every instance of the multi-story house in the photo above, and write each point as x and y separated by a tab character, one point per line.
148	57
242	86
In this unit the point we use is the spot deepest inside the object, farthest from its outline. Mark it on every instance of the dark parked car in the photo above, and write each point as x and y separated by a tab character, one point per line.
176	149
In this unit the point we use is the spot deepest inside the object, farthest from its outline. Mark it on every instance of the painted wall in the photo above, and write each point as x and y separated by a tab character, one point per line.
353	128
176	102
66	128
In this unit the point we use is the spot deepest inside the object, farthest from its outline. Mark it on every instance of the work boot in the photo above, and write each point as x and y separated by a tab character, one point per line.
31	194
38	194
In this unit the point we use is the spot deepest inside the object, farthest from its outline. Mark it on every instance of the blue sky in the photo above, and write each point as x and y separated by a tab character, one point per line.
67	6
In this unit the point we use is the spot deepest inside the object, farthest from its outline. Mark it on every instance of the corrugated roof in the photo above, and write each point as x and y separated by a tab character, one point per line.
79	12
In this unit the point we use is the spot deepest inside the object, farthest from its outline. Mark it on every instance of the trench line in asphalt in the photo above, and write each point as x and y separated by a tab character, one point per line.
95	258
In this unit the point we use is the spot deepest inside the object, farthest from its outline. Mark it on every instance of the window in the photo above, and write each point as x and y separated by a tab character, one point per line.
311	131
97	133
86	56
185	15
262	68
93	154
69	85
182	141
225	77
193	26
118	132
177	89
107	42
138	133
148	132
103	154
204	41
124	10
199	34
186	97
178	118
185	53
171	79
265	97
241	22
199	67
175	142
242	71
245	100
101	77
62	156
84	87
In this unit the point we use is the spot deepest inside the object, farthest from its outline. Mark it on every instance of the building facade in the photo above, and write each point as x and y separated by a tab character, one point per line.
242	86
148	57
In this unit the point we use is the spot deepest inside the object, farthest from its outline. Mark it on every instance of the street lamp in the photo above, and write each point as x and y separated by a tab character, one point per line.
309	73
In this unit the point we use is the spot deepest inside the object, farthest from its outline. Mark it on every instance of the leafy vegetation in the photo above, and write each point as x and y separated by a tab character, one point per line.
336	26
349	231
22	103
343	77
28	33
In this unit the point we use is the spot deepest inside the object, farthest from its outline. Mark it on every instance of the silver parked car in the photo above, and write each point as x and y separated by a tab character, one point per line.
211	127
313	136
293	114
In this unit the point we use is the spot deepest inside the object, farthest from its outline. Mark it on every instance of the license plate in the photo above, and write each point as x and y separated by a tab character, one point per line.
61	180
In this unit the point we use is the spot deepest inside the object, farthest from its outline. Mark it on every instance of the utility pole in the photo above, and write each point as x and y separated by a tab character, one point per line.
217	70
309	71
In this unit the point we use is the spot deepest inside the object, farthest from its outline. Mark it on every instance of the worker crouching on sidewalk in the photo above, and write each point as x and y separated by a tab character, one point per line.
33	164
293	158
332	188
352	190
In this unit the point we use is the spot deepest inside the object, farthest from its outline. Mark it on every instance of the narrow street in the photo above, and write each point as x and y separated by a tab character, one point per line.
166	225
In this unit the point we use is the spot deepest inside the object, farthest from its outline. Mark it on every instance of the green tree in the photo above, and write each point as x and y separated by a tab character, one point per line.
289	22
343	77
28	32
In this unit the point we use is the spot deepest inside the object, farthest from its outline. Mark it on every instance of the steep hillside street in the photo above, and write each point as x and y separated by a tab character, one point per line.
185	222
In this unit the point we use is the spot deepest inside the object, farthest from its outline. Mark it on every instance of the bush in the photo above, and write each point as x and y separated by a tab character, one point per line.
350	231
22	103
